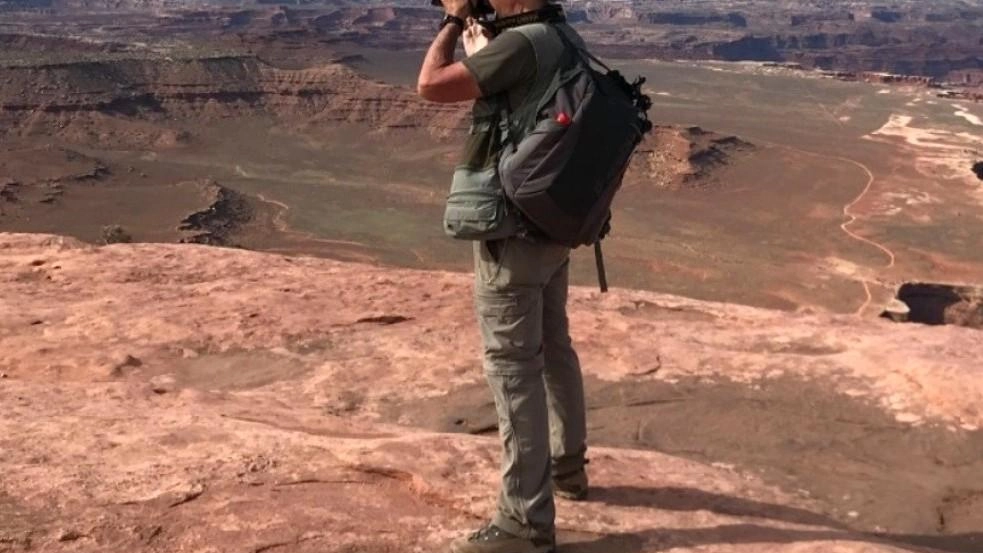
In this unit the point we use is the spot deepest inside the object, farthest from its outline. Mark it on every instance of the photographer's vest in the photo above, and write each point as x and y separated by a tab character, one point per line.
476	207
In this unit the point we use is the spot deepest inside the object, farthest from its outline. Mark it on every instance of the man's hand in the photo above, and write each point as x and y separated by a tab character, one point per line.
441	79
476	37
458	8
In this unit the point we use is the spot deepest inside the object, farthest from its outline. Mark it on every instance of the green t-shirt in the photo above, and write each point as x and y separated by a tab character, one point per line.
505	70
507	64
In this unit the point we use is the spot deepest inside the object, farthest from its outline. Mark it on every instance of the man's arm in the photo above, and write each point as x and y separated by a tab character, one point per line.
441	78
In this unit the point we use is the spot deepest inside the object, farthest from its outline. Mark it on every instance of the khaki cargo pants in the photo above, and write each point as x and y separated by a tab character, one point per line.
534	375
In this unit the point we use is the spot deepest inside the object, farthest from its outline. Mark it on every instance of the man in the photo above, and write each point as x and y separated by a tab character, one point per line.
520	293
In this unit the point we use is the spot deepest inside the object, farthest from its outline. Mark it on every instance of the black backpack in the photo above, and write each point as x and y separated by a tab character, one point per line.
565	156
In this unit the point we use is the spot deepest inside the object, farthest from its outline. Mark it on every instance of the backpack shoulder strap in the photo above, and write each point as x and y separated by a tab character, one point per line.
549	48
576	44
545	42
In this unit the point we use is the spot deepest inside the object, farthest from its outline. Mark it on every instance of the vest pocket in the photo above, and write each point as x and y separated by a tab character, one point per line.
476	207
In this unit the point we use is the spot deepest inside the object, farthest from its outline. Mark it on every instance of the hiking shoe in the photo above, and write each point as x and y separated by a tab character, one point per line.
492	539
571	486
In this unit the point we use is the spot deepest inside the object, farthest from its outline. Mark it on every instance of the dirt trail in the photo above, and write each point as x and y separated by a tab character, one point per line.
280	223
852	218
846	208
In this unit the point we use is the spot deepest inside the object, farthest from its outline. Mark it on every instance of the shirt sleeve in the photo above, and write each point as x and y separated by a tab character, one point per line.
508	60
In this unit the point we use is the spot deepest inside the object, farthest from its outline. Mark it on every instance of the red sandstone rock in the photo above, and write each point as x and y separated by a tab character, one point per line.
247	444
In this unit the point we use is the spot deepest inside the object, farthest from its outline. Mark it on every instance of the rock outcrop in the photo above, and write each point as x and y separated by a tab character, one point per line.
695	18
217	224
40	175
675	158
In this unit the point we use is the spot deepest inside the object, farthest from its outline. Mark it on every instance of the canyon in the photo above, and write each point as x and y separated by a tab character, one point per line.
940	40
230	320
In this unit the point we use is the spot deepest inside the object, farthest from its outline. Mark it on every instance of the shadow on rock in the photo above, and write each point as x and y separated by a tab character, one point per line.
953	543
688	499
651	541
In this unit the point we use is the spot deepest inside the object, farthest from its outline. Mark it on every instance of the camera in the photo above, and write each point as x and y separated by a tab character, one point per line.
479	8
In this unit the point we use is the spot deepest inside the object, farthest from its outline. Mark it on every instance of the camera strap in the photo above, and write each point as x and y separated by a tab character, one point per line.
552	13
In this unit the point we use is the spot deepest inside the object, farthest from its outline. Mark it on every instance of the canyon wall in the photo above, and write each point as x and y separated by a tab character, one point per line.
212	87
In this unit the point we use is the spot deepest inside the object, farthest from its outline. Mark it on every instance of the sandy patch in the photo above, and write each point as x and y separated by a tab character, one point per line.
938	153
965	114
844	267
914	198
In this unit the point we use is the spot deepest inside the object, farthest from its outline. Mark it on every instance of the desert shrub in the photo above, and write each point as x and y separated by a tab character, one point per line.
115	234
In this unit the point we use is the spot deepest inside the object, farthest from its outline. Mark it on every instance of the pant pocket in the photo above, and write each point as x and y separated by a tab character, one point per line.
511	324
490	259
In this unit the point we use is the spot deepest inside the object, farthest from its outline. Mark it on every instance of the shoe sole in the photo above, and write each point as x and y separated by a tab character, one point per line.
550	550
581	496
